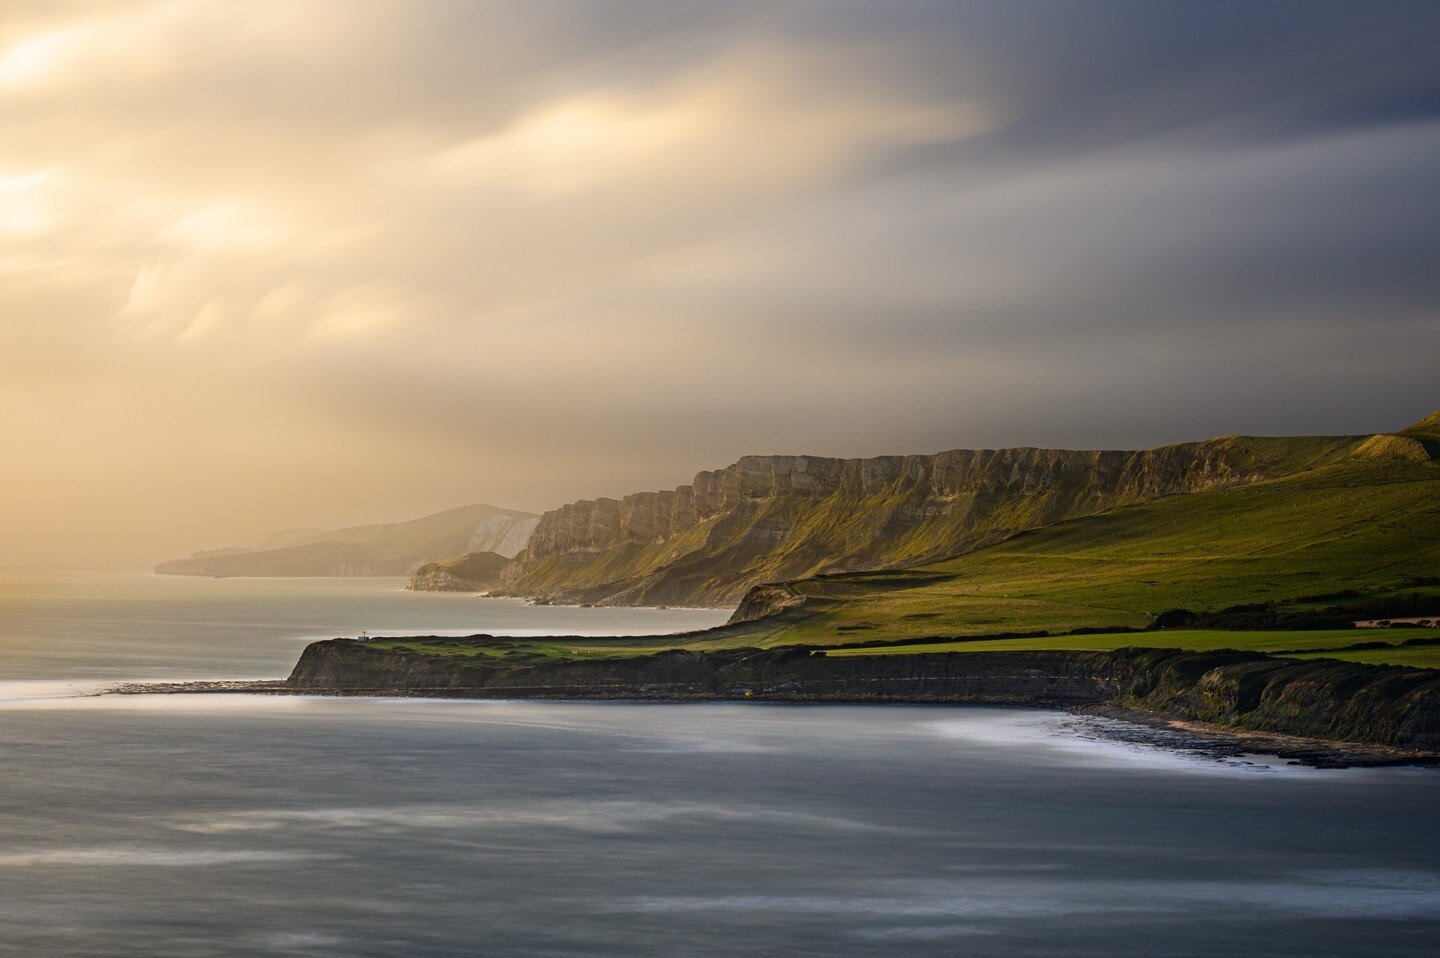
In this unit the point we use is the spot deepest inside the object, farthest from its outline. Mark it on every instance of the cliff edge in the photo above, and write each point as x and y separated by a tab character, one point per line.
472	572
776	518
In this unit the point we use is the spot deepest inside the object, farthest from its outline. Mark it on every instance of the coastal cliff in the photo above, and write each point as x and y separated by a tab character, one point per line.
1317	698
774	518
472	572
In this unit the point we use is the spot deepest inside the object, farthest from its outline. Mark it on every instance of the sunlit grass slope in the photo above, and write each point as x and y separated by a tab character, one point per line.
1423	657
1368	523
923	509
1358	525
1332	642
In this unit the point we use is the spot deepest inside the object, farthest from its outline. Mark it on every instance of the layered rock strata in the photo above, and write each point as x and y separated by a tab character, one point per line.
1318	698
772	518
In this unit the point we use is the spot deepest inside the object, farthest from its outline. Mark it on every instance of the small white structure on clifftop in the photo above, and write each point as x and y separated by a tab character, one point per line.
362	637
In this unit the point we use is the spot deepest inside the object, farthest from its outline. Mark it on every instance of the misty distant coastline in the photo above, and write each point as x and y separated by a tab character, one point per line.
384	549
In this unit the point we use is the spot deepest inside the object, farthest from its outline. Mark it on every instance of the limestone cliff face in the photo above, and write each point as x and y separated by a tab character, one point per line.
503	533
770	518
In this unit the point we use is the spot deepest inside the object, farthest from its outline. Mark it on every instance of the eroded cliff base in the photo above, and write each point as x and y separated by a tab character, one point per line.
1320	713
1317	711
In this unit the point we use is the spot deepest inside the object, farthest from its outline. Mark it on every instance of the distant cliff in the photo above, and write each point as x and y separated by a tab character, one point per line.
396	548
773	518
472	572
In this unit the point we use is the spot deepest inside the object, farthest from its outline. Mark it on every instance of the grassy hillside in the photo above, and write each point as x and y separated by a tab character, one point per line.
1427	433
1333	642
1401	646
1358	525
1423	657
1362	527
891	512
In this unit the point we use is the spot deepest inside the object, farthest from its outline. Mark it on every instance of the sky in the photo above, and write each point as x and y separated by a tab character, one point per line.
317	263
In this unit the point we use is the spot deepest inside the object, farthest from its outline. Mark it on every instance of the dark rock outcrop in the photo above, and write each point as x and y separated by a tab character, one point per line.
343	664
1319	698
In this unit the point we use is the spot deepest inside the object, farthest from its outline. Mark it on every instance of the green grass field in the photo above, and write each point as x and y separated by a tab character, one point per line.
1424	657
501	648
1367	526
1196	639
903	521
1360	526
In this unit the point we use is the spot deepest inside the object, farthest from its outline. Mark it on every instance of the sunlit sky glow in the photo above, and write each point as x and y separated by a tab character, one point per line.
277	264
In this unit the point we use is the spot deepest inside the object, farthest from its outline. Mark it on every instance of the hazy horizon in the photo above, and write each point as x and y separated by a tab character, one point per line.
143	565
278	265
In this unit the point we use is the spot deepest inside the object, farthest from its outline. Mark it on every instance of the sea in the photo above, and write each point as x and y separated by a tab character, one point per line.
209	824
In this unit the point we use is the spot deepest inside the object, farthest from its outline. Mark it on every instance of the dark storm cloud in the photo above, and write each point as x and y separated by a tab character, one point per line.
532	251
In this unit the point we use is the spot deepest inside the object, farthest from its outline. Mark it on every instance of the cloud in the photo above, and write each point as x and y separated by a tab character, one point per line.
524	253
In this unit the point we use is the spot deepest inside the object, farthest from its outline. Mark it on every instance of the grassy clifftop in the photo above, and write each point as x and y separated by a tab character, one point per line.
1297	543
768	519
1358	524
1287	532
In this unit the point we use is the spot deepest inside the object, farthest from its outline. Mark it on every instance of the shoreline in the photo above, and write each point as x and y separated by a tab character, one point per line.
1172	733
1222	742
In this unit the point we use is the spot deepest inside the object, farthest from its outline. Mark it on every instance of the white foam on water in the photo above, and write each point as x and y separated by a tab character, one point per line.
613	816
98	697
145	856
1051	736
921	932
297	939
1061	738
1312	893
971	902
1305	894
21	692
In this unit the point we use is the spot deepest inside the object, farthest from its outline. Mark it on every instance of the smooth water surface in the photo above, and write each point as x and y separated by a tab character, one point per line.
206	825
135	625
199	825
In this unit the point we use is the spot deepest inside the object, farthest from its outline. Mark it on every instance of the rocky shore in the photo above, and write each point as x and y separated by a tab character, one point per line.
1316	711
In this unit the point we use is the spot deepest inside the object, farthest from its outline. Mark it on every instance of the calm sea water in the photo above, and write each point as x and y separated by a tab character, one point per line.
247	825
134	625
